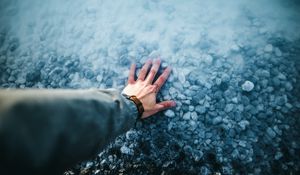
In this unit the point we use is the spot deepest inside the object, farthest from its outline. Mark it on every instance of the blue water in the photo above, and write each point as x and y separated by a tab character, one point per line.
214	47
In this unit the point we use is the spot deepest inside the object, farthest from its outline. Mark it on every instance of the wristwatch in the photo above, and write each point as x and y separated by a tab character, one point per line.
137	102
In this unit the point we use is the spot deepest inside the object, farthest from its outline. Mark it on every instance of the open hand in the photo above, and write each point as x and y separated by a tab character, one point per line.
145	91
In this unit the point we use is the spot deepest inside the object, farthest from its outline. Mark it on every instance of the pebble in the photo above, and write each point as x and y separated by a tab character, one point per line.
278	52
278	155
217	120
99	78
200	109
228	107
247	86
169	113
243	124
271	132
131	135
268	48
181	77
187	116
125	150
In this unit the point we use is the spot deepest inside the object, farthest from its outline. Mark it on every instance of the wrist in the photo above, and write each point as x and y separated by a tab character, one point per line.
138	104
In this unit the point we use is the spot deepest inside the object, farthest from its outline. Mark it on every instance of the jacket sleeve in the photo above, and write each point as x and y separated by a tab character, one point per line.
43	130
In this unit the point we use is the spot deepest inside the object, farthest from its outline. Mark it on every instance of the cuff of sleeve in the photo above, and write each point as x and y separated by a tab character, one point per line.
131	106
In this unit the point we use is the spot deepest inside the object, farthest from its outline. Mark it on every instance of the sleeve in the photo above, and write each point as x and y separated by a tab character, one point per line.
50	130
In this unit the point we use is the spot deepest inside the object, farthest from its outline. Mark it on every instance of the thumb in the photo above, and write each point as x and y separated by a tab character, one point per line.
165	105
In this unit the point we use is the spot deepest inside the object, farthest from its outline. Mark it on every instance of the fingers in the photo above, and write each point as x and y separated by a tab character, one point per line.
165	105
131	74
153	71
162	78
144	70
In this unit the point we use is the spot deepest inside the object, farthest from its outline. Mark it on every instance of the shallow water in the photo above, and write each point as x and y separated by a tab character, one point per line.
214	47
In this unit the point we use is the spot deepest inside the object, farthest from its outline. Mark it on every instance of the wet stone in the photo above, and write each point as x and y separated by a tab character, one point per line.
194	116
268	48
271	132
243	124
169	113
217	120
229	107
247	86
278	155
200	109
126	150
187	116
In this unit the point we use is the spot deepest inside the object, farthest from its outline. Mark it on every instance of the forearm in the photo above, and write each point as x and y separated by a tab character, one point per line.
60	127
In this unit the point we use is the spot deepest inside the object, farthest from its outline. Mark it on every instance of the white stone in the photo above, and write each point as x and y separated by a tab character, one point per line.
169	113
278	52
125	150
247	86
99	78
268	48
187	116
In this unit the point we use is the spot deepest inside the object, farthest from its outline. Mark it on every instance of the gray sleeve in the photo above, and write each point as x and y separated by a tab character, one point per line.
53	129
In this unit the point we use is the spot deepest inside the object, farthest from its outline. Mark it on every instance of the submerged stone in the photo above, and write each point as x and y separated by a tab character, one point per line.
247	86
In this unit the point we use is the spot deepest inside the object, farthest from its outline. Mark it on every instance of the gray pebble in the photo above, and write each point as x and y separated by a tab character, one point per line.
217	120
247	86
169	113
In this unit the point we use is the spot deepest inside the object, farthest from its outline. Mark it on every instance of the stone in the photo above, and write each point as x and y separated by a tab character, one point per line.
228	107
191	108
218	81
193	125
271	132
194	116
187	116
242	143
200	109
169	113
288	86
181	77
243	124
278	52
278	155
247	86
99	78
126	150
268	48
217	120
208	135
131	135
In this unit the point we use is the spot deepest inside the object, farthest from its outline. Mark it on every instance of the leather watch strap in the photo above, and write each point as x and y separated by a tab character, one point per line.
138	104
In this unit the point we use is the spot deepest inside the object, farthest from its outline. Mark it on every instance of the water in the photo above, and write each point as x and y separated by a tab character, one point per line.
235	77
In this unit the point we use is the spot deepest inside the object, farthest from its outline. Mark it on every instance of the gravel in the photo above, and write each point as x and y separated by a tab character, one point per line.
236	89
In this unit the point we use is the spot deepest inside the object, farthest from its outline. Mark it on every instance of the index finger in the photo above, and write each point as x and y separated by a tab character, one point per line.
131	74
162	78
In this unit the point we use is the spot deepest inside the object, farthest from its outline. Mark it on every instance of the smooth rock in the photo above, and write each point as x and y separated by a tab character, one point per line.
268	48
126	150
247	86
271	132
169	113
187	116
217	120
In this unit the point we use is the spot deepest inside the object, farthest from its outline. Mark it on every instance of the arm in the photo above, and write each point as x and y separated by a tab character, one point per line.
54	129
59	127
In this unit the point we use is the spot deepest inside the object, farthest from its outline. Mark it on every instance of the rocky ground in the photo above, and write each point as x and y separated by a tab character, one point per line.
235	78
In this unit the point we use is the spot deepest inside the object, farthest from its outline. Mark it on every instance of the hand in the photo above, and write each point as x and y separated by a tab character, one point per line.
145	91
